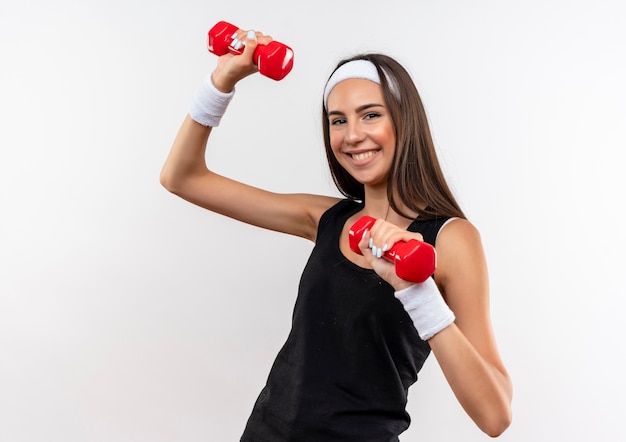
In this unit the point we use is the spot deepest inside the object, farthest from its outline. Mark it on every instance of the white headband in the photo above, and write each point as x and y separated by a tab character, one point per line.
363	69
353	69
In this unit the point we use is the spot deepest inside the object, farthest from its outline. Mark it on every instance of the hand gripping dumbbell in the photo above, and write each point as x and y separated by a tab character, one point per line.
414	260
274	60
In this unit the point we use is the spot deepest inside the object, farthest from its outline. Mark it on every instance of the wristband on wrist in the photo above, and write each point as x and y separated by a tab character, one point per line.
209	104
426	308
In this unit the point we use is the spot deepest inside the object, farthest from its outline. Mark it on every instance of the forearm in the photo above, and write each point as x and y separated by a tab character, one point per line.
187	156
483	390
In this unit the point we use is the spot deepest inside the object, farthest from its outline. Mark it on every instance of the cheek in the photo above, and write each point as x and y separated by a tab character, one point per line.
336	141
389	135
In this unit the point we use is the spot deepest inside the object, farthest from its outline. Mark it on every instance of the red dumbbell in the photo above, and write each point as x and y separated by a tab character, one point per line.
274	60
414	260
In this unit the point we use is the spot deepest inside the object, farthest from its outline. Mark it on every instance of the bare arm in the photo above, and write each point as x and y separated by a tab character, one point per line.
466	350
186	174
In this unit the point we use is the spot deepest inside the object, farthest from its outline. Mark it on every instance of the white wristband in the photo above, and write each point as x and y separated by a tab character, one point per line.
209	104
426	308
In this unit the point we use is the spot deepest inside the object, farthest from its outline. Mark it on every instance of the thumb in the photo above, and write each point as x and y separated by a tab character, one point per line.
364	242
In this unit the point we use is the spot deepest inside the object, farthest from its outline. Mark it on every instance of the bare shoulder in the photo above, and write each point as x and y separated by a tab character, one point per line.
456	231
461	263
459	239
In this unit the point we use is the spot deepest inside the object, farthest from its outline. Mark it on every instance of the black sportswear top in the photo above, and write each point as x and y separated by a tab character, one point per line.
351	355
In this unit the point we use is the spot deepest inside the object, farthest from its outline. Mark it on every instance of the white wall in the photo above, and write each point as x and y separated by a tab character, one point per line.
127	314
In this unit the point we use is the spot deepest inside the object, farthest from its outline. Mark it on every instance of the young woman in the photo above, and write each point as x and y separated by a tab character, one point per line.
360	334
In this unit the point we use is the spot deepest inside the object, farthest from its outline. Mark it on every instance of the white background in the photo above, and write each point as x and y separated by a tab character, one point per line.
127	314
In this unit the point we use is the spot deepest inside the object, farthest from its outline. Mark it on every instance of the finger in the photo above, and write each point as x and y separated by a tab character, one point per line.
238	40
241	38
379	241
368	249
364	243
250	43
264	39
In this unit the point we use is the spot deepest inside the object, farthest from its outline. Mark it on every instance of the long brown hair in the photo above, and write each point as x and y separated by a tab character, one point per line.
415	176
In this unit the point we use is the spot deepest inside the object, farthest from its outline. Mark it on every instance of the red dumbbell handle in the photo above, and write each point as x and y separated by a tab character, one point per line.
414	260
274	60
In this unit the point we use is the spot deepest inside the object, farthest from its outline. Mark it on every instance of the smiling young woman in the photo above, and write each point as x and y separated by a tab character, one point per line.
360	334
361	131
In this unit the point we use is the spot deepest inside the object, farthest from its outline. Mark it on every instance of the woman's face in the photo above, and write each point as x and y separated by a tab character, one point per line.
361	131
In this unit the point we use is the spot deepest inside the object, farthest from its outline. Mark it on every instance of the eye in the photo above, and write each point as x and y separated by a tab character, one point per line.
337	121
371	115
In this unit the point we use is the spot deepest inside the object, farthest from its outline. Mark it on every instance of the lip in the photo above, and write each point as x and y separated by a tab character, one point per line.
362	157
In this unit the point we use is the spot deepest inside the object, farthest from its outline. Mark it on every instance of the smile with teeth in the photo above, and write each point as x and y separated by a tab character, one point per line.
363	155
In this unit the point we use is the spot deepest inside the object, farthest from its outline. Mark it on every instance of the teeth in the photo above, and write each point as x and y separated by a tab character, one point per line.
363	156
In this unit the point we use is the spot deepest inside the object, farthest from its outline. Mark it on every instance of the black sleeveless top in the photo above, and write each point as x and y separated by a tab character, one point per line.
351	355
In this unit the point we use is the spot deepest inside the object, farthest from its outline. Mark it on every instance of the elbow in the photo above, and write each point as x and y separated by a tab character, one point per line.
500	414
497	424
165	180
168	181
495	417
497	430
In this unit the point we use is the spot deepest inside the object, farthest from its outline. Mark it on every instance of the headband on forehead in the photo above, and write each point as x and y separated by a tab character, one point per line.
362	69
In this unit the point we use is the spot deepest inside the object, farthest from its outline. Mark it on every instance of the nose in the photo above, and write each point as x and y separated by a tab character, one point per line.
354	133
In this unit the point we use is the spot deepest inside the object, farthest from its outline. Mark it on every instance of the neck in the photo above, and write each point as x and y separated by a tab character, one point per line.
376	202
377	205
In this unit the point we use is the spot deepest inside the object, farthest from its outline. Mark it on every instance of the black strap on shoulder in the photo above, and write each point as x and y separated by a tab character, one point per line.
429	228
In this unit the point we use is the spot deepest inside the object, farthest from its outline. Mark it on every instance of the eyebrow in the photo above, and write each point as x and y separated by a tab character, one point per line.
358	109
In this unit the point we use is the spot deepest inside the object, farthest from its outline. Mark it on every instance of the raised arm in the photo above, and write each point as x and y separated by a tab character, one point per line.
186	174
